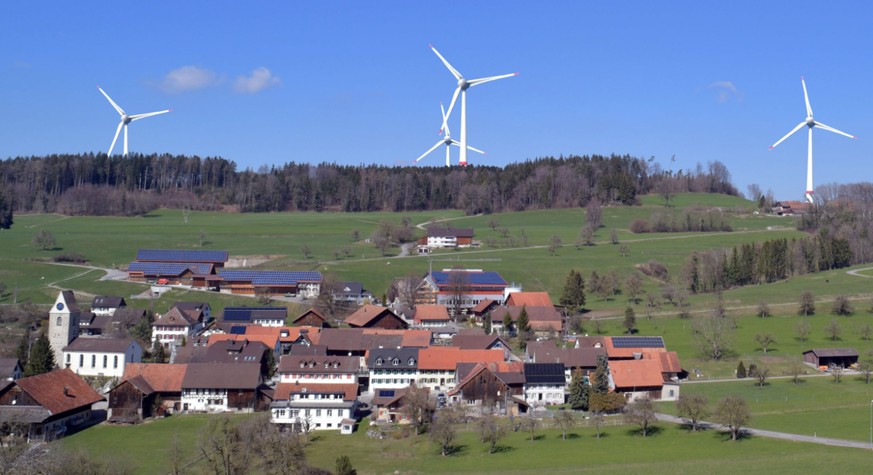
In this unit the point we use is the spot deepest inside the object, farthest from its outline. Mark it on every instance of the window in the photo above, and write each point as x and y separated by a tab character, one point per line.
115	363
93	361
330	412
105	360
59	322
318	413
396	361
81	360
378	361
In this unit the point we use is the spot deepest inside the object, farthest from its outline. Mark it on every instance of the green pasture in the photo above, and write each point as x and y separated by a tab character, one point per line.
814	406
621	449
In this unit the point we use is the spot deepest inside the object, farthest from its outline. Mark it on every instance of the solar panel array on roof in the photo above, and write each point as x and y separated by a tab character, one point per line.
638	342
271	277
237	330
386	393
180	255
168	268
470	278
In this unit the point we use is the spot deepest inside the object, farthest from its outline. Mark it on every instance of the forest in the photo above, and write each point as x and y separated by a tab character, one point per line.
95	184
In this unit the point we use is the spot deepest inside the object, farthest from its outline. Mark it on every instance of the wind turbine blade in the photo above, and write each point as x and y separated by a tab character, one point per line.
428	151
788	134
452	104
451	69
831	129
445	126
806	98
117	108
476	82
115	139
143	116
455	142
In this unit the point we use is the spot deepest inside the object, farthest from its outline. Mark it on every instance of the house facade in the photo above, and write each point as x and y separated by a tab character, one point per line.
174	327
307	407
440	237
222	387
461	288
392	368
544	384
97	356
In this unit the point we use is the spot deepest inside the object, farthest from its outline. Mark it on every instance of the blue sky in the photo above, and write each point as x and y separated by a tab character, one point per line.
264	83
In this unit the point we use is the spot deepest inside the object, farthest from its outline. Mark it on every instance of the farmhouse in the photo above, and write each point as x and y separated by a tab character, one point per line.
319	369
831	357
311	318
96	356
389	405
170	273
584	359
47	405
529	299
439	237
544	384
392	368
220	387
437	365
175	326
271	282
491	384
642	378
146	390
632	347
306	407
431	316
543	321
373	316
465	288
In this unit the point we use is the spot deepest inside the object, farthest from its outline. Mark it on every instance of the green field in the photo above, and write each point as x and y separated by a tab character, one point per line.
621	450
813	406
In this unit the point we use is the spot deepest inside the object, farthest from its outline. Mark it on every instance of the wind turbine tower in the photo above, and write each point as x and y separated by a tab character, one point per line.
463	85
125	120
447	140
811	124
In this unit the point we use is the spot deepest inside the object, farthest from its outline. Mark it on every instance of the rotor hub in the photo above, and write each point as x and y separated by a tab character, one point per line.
810	122
463	84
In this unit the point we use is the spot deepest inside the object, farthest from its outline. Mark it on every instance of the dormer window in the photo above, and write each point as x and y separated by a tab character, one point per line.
411	361
326	364
379	361
336	364
396	361
302	364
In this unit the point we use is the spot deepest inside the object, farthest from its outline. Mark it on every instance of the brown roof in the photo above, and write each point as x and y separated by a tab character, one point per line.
540	318
483	305
222	376
271	339
285	390
590	341
70	298
447	358
163	378
367	314
99	344
408	338
669	361
427	313
7	367
59	391
530	299
833	352
396	395
316	364
509	373
629	374
313	312
477	342
546	352
175	318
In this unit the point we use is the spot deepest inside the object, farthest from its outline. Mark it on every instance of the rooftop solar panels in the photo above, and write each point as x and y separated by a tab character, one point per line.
168	268
271	277
386	393
237	330
180	255
638	342
470	278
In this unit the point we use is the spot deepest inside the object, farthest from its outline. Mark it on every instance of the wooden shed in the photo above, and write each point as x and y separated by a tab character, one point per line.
842	357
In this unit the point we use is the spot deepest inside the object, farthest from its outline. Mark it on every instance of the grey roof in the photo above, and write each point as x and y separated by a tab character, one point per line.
317	364
222	376
231	352
833	352
7	367
544	373
477	342
546	352
407	358
439	231
354	339
97	344
348	288
110	301
70	298
24	414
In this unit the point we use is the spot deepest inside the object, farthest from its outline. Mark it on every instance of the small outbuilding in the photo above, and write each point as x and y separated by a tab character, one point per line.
830	357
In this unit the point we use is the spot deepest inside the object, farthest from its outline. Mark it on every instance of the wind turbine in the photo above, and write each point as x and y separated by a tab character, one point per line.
811	123
125	120
463	85
447	140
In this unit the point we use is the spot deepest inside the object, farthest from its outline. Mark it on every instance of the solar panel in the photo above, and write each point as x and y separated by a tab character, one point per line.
470	278
168	268
386	393
180	255
638	342
271	277
237	330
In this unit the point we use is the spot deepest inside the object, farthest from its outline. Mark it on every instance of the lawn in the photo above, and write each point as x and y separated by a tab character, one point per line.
814	406
621	449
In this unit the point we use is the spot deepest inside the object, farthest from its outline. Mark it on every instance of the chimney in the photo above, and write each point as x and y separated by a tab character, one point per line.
67	391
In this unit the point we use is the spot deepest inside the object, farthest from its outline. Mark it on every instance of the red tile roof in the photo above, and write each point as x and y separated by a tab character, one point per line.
429	313
366	314
628	352
271	338
669	361
285	390
531	299
447	358
163	378
59	391
629	374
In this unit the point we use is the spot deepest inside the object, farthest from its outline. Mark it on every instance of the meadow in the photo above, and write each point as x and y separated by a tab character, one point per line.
620	449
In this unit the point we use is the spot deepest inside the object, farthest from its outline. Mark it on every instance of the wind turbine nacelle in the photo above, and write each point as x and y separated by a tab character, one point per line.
125	119
463	84
809	121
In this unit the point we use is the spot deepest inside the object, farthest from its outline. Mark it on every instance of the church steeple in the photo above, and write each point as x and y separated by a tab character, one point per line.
63	324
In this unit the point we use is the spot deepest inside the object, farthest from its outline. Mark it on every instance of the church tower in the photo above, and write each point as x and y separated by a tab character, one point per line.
63	324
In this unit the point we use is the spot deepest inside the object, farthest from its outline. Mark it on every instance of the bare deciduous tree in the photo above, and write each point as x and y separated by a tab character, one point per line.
642	413
733	413
491	431
693	408
564	420
713	335
765	340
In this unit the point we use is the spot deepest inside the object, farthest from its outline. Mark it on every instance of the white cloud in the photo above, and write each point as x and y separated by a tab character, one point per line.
261	78
188	78
725	90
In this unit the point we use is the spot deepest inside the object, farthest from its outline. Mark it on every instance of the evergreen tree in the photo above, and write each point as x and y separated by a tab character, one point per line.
523	327
160	354
573	297
507	323
486	323
578	398
344	466
630	320
42	358
741	370
23	351
5	212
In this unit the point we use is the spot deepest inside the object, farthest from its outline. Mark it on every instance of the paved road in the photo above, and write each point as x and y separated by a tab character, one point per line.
773	434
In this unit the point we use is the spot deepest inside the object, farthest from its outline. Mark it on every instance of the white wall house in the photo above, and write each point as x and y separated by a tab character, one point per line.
101	356
313	406
171	328
321	369
392	368
541	394
220	387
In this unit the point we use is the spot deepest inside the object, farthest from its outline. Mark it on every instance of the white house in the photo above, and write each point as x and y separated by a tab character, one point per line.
174	326
106	305
319	369
101	356
221	387
544	384
392	368
307	407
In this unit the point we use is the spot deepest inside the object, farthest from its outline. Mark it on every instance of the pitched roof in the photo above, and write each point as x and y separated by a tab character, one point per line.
407	358
285	390
311	312
508	373
59	391
531	299
270	340
546	352
629	374
249	314
544	373
175	318
408	338
626	346
367	314
429	313
70	299
180	255
174	269
284	334
318	364
540	318
439	231
268	277
833	352
478	342
222	376
483	305
348	288
160	377
99	344
386	397
236	351
104	301
447	357
7	366
669	361
470	278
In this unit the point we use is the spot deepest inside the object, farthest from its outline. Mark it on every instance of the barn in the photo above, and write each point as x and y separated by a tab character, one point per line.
830	357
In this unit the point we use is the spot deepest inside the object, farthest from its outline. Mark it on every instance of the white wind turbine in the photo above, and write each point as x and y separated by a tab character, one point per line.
463	84
447	140
125	119
811	123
